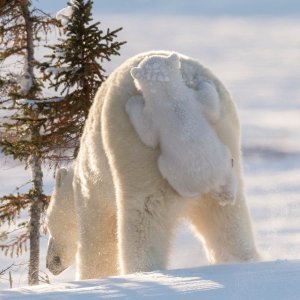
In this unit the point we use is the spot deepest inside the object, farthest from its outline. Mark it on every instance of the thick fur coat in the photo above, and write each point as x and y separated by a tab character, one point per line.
126	211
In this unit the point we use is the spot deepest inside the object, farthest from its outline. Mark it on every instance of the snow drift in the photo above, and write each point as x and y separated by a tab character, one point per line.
267	280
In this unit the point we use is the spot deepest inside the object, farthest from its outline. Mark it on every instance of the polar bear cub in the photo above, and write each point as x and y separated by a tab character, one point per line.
169	114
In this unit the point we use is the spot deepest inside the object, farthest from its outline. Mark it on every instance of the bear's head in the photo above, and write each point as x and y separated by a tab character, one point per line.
61	224
158	69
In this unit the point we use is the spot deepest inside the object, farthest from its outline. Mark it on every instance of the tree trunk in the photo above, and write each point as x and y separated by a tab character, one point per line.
34	223
34	163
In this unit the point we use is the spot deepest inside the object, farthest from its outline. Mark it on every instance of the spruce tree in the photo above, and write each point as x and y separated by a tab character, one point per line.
37	129
75	68
22	28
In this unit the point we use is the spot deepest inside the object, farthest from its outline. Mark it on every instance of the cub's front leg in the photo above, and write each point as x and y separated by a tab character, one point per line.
142	121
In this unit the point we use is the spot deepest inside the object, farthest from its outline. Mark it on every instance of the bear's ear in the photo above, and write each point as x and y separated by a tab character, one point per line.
136	73
173	60
60	175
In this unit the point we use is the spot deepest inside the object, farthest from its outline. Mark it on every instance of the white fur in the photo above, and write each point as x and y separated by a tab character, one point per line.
62	224
169	114
126	211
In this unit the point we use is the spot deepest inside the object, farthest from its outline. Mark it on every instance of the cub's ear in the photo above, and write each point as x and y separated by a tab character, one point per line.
174	60
60	175
136	73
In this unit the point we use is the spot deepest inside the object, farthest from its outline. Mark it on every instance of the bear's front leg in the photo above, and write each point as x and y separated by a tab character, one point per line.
97	251
96	213
141	121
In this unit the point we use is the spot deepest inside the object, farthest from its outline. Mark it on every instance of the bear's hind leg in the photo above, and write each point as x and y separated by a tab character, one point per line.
226	230
146	221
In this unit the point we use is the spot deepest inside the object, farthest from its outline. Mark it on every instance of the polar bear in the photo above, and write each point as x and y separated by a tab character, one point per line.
173	117
126	211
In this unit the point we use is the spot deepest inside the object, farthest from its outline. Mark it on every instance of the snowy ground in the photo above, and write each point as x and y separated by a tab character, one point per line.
274	280
259	61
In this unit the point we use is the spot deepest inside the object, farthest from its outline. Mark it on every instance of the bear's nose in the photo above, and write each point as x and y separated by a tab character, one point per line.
56	260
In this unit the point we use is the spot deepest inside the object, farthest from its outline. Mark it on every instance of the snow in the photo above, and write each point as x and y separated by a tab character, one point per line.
269	280
25	82
28	102
259	61
57	70
64	15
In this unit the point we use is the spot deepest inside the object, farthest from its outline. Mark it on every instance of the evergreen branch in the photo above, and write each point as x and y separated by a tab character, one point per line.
16	246
11	205
12	51
2	272
41	12
20	227
5	29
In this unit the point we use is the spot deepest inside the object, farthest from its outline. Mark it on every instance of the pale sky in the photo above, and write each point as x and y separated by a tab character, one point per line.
195	7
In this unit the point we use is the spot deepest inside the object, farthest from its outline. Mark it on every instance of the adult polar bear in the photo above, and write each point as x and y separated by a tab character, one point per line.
126	211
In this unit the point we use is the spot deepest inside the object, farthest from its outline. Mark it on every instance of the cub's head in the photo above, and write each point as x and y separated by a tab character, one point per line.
61	224
156	68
